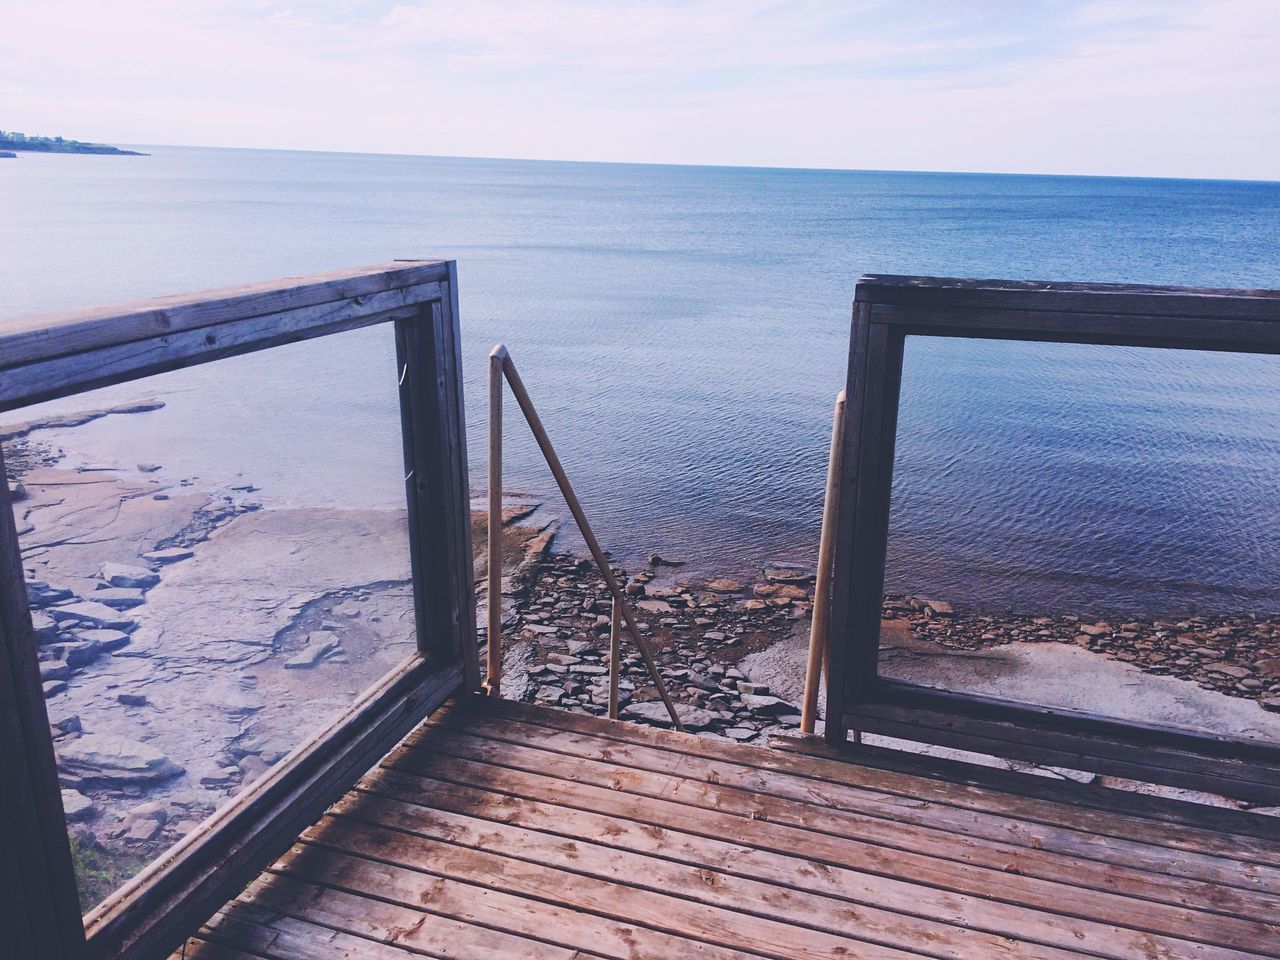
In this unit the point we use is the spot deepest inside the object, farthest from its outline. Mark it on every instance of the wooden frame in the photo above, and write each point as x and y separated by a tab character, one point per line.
55	356
886	311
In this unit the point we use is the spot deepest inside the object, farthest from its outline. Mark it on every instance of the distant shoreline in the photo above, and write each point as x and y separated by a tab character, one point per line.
10	142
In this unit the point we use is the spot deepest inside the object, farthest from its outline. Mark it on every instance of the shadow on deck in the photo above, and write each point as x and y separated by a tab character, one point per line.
507	830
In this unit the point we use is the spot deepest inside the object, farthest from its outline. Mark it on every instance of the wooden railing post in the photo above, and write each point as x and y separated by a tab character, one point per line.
494	664
819	629
39	904
615	658
436	486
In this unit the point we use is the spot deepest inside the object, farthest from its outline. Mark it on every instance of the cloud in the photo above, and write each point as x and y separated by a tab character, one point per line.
1177	88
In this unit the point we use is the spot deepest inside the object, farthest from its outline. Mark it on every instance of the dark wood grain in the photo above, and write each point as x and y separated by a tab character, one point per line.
39	904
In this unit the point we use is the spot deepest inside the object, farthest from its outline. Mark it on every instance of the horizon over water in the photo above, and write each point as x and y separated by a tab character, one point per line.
683	331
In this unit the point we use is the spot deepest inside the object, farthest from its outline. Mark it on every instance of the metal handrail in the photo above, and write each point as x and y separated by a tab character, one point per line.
500	366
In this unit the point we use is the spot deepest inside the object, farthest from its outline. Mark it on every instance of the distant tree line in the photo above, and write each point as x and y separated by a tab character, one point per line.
12	140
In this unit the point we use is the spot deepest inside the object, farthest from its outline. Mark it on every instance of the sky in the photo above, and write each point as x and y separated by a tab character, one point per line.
1182	88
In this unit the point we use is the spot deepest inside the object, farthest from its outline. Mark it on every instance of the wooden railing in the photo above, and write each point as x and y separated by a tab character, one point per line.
887	310
42	358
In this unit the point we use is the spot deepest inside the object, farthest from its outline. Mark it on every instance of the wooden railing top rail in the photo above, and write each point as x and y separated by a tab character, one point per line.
57	354
1128	298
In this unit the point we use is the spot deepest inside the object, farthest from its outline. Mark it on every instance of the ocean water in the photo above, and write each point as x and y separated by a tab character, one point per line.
684	330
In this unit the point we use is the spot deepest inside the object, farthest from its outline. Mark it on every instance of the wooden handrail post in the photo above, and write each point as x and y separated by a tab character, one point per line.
822	588
615	658
494	659
593	545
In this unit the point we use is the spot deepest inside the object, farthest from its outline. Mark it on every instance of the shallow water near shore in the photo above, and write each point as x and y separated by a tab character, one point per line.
684	330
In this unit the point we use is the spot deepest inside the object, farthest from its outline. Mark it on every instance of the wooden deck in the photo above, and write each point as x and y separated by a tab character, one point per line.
504	830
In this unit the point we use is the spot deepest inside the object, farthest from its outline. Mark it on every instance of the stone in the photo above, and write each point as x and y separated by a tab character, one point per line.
1271	702
54	670
786	573
717	636
53	687
111	759
755	689
939	607
635	589
148	467
740	733
119	598
724	585
655	712
133	699
93	614
80	653
655	560
230	699
1269	667
123	575
766	705
76	806
68	723
1228	670
44	627
654	606
1095	629
107	640
169	555
40	594
312	653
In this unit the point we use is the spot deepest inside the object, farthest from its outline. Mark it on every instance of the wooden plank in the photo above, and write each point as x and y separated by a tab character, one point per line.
26	340
398	802
1114	298
418	928
436	486
678	917
1154	819
196	949
1176	824
39	904
701	883
1150	884
864	869
1074	842
275	937
158	908
62	376
477	898
1022	737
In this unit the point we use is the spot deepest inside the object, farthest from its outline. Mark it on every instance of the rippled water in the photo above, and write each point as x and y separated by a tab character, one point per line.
684	330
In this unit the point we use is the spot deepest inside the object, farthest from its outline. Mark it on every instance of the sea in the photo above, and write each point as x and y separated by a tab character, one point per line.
683	331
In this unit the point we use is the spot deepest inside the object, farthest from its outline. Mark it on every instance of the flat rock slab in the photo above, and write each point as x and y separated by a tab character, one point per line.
93	614
655	712
123	575
782	573
107	758
76	806
119	598
169	555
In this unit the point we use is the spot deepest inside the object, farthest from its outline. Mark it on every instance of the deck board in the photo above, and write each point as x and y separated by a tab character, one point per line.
505	830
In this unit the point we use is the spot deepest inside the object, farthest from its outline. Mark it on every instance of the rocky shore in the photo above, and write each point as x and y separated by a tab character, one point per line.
1238	656
556	642
189	638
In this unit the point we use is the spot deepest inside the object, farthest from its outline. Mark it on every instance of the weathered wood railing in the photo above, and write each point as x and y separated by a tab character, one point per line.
887	310
42	358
